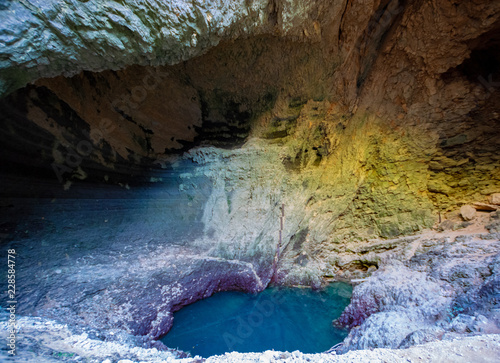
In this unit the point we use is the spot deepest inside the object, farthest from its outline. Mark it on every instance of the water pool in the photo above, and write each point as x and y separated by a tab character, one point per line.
284	319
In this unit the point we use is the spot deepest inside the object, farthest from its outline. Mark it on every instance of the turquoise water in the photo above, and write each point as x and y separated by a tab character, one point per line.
284	319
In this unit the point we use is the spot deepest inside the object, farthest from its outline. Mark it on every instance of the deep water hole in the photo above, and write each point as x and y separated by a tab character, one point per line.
283	319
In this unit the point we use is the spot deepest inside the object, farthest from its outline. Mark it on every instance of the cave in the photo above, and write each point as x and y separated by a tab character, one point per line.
155	155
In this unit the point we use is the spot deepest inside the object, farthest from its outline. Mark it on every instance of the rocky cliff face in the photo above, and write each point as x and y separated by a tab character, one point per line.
366	120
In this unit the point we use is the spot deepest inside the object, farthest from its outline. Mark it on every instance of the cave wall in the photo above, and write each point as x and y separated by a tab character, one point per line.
365	119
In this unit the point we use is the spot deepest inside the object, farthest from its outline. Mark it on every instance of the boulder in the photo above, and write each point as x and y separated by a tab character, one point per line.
495	199
422	336
481	324
467	212
446	225
463	323
387	329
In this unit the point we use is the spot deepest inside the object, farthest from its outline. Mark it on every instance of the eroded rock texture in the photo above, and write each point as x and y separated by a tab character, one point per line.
366	120
431	290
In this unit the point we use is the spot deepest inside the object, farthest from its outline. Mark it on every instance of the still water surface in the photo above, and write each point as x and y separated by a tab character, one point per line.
284	319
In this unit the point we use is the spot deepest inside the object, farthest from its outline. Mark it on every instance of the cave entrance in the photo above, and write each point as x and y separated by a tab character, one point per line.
283	319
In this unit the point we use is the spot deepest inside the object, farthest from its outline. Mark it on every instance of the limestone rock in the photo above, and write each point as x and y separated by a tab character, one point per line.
467	212
481	324
446	225
422	336
494	226
387	287
45	337
485	207
53	37
435	186
495	199
463	323
385	329
350	170
443	280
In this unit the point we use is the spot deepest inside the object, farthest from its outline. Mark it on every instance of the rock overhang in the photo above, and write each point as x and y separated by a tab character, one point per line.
51	38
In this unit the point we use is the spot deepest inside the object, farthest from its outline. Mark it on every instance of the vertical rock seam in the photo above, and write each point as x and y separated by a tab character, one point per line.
278	247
